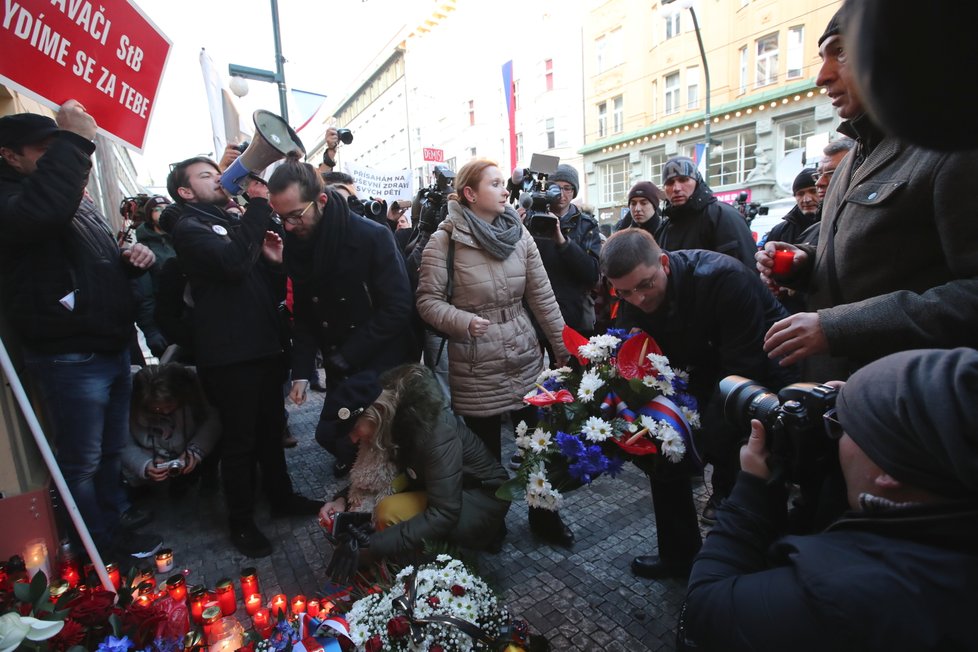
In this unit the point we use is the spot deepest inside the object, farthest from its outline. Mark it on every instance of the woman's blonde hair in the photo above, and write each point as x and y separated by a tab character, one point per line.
469	176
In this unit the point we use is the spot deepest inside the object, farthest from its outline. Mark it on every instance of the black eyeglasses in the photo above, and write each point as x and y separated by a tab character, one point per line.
833	429
644	286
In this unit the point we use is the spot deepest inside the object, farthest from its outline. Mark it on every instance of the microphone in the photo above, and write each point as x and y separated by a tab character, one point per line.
526	200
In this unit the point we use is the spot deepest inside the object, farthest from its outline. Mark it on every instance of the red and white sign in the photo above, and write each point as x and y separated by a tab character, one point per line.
434	155
730	196
107	55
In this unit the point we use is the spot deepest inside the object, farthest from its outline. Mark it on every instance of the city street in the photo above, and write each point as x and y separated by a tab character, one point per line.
581	599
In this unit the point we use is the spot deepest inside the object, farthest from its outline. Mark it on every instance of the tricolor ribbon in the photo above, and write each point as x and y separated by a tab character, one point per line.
661	409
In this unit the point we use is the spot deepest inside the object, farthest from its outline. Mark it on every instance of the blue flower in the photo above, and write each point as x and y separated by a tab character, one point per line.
615	465
113	644
580	471
165	645
685	400
551	384
570	445
596	459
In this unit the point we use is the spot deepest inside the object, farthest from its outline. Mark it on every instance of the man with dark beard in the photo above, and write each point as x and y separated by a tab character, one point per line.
234	269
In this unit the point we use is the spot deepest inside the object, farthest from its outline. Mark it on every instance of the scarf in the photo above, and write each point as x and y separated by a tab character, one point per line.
499	238
315	257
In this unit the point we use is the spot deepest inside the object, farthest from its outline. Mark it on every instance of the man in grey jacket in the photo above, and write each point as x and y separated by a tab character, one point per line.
896	265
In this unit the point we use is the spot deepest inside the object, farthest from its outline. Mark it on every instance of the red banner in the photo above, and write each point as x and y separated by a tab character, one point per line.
434	155
106	54
730	196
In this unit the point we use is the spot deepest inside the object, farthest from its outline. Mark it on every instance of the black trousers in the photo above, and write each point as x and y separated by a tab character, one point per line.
248	396
488	429
677	529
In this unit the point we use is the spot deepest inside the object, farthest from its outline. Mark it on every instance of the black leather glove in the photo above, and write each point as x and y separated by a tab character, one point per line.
336	366
345	560
429	221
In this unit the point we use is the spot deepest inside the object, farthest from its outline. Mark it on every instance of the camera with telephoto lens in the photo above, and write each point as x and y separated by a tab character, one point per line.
792	421
369	208
529	188
749	210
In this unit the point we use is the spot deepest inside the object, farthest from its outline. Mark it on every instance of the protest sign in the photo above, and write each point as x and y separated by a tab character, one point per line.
389	185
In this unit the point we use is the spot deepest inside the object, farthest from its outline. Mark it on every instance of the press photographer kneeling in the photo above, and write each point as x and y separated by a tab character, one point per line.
896	573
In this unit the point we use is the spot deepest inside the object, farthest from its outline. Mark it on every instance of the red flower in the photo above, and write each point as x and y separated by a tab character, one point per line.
374	644
92	608
71	634
433	601
573	341
546	398
632	359
143	623
458	591
398	627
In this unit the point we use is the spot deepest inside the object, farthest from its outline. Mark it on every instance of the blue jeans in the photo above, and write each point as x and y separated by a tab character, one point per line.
85	398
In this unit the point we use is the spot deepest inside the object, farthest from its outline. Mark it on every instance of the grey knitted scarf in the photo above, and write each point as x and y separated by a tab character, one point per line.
499	238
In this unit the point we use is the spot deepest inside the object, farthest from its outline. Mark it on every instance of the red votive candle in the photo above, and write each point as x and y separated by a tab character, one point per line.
298	605
211	617
260	621
198	598
176	586
278	604
253	603
225	596
249	582
313	608
114	576
782	262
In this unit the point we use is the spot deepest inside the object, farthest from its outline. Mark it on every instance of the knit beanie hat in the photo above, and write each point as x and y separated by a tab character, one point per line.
805	179
835	25
648	190
566	174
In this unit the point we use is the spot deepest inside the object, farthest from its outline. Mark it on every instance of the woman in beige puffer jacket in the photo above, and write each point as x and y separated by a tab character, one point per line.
494	356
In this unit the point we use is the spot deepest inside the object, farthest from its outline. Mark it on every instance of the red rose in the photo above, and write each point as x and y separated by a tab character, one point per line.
374	644
458	591
92	608
142	622
436	648
398	627
434	601
71	634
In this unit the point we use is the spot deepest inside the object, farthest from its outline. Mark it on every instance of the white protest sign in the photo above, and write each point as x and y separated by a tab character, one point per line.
384	184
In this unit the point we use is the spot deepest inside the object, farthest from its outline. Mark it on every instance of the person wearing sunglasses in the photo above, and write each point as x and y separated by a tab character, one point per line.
898	571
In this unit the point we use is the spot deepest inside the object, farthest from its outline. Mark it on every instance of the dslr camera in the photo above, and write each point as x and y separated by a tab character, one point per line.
792	419
749	210
529	187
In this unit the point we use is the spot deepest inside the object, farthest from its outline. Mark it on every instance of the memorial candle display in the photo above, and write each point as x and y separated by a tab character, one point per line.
164	561
249	582
298	605
260	621
198	599
225	596
253	603
313	608
36	558
114	575
278	604
211	619
176	586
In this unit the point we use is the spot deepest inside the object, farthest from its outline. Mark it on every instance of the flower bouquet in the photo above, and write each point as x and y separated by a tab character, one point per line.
621	401
436	607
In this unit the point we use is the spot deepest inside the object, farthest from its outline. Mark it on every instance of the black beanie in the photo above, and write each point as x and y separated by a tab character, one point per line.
567	174
914	414
344	405
805	179
648	190
835	25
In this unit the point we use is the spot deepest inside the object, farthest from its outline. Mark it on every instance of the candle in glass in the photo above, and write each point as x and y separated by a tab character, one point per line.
176	586
71	575
144	576
211	619
313	608
198	599
298	605
225	596
144	600
36	558
278	604
260	621
249	582
114	575
164	561
253	603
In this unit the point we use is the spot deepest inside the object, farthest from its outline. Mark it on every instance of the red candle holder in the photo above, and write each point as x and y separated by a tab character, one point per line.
253	603
225	596
249	582
783	261
114	575
198	600
176	586
211	619
278	603
313	608
298	605
261	622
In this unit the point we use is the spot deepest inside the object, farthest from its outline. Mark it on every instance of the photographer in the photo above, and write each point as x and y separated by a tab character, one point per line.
897	573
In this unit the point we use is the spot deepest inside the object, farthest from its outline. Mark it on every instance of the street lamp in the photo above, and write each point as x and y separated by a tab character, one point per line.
277	77
688	4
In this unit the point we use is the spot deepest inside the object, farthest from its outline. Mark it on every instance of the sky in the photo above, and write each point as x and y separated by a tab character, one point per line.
327	46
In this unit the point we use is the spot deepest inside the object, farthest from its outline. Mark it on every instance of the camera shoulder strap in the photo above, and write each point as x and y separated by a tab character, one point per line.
449	289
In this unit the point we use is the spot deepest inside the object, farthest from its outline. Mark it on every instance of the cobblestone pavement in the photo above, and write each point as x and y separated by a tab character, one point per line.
582	598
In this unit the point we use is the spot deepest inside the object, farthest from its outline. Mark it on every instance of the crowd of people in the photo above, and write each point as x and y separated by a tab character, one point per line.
878	297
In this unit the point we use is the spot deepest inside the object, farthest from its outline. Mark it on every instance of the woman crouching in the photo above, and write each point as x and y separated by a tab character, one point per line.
423	475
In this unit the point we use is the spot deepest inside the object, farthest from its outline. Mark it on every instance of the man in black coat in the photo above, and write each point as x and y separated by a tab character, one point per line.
794	228
695	219
896	573
236	281
708	313
66	292
351	296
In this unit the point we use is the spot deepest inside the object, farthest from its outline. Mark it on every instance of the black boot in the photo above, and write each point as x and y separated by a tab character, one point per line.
548	526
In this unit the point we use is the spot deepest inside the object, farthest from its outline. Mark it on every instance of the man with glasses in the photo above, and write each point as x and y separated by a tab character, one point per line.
352	299
895	267
237	283
897	572
708	313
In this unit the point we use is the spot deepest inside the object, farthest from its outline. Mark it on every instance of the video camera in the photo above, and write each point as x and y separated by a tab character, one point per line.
529	188
749	210
792	419
434	196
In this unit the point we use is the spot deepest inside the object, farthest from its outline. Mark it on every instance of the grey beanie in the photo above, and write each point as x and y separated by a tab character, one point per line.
566	174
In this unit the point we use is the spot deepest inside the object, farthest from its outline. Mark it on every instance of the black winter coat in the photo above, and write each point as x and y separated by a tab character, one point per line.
703	222
791	228
235	292
573	268
53	241
901	579
651	225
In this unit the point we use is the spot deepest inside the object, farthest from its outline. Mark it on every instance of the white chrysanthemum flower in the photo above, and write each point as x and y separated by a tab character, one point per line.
682	374
538	482
521	428
692	416
650	423
659	383
540	440
606	341
590	351
596	429
524	442
672	446
590	383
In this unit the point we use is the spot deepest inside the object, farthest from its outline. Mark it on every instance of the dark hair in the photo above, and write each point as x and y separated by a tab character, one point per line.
294	170
626	250
168	382
178	177
338	177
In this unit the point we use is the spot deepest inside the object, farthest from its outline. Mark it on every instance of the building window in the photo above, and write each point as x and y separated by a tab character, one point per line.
672	93
618	116
652	162
551	134
471	113
692	87
519	147
472	152
600	45
796	51
516	94
612	181
655	99
767	60
602	120
733	158
795	133
743	69
548	73
610	50
672	24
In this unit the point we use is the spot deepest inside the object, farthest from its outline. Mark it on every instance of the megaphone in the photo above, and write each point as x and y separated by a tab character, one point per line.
274	139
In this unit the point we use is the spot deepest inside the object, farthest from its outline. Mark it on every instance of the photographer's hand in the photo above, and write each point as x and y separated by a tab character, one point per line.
155	473
230	155
558	235
754	454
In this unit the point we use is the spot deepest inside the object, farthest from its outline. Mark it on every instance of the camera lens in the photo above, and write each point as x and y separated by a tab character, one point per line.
743	400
